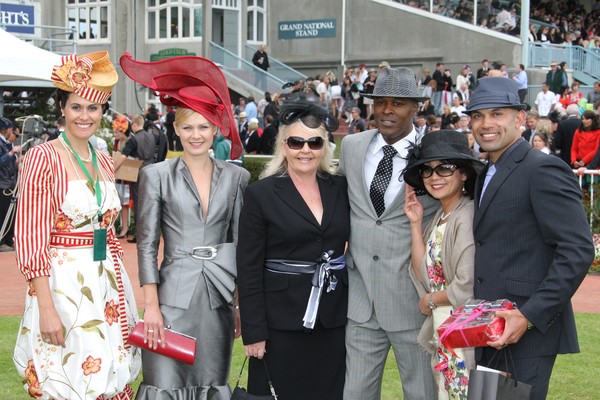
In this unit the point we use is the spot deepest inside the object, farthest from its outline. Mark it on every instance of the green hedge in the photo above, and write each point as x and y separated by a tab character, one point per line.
255	166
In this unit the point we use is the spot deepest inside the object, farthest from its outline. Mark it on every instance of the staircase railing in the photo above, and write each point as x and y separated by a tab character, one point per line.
244	70
578	58
277	68
57	39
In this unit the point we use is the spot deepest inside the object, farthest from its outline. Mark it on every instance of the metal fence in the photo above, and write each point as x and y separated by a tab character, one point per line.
57	39
578	58
244	70
277	68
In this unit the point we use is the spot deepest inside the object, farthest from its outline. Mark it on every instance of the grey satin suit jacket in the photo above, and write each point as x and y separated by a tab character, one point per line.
378	257
170	204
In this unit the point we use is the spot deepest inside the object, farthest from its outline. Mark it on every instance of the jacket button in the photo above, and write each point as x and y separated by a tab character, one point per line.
479	280
318	238
378	222
375	258
478	243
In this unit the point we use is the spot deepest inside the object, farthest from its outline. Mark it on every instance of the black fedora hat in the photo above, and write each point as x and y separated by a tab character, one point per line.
495	92
445	144
397	83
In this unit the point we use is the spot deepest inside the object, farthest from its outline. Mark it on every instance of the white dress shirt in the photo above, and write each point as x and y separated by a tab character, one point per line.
375	154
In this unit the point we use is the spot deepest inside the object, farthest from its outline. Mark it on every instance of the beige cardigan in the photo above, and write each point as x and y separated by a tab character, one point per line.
458	256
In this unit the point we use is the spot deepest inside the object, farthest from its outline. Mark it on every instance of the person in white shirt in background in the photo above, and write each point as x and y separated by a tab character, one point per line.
545	101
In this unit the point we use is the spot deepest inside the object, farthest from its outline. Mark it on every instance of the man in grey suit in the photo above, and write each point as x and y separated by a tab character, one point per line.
383	307
536	196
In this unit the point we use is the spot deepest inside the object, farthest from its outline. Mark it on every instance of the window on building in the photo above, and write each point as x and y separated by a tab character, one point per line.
257	30
89	18
173	19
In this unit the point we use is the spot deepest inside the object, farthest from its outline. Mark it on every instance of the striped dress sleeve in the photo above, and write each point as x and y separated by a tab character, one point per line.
40	191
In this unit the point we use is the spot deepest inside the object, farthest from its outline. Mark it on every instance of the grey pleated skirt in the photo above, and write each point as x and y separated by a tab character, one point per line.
165	378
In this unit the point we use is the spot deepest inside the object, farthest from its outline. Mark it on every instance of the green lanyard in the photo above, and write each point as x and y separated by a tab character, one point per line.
100	233
96	184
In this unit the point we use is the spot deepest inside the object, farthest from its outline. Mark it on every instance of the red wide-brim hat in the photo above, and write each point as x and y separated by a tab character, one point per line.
190	82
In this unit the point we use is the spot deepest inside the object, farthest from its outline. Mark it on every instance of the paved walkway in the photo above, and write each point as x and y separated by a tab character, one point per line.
12	285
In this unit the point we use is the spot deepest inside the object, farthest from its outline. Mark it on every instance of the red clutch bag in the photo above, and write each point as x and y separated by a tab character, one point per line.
179	346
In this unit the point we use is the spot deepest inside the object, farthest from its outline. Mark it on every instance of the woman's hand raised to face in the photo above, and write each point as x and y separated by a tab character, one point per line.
412	206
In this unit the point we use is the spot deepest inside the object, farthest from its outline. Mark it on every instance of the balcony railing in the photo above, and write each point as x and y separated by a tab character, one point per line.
57	39
578	58
244	70
278	69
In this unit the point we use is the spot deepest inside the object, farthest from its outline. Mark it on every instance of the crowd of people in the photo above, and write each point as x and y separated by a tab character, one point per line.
326	268
555	22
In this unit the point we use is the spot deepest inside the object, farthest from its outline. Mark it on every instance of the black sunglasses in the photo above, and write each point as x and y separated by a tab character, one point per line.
443	170
297	143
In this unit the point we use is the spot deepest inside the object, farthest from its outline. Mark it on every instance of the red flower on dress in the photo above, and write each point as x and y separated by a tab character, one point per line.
108	217
62	223
111	312
31	378
91	365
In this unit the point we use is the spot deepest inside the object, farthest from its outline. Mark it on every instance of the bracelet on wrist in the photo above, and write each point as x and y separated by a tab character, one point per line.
431	304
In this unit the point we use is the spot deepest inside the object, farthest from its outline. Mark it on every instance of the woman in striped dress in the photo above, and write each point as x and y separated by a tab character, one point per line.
79	307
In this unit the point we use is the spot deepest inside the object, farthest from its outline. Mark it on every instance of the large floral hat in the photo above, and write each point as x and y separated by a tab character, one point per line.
91	76
190	82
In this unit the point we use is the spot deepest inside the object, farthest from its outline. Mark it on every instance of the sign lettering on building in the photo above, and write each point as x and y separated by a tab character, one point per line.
17	18
168	53
311	29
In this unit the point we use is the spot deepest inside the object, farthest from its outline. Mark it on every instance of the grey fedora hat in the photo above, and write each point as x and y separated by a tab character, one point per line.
396	82
495	92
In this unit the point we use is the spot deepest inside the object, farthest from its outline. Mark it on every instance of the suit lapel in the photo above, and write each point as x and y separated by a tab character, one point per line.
189	181
287	192
507	167
329	195
360	155
187	178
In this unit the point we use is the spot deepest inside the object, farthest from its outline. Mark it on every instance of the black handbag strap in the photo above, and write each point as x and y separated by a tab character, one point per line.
508	356
271	388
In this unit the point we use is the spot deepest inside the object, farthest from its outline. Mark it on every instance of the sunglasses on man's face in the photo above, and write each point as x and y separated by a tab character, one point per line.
443	170
297	143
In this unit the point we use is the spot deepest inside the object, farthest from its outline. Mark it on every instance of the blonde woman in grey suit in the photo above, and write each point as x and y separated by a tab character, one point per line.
194	202
443	256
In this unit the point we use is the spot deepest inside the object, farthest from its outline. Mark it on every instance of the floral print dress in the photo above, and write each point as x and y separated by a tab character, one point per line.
450	371
91	298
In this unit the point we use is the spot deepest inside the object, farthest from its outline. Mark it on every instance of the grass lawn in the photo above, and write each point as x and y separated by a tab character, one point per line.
575	375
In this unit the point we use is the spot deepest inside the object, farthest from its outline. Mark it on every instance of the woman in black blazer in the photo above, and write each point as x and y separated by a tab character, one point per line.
293	285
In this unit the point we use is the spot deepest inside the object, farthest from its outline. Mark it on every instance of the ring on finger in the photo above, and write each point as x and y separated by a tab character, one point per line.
150	330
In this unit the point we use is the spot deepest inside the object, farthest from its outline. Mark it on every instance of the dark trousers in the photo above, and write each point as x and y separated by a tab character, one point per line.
522	93
4	205
534	371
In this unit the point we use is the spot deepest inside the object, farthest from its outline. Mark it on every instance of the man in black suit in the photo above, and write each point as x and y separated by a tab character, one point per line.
267	140
485	68
537	195
563	137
